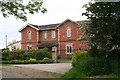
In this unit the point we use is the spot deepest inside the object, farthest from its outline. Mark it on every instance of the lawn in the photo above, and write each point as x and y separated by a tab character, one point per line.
4	65
64	60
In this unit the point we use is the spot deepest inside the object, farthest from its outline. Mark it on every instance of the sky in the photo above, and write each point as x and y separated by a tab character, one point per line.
57	12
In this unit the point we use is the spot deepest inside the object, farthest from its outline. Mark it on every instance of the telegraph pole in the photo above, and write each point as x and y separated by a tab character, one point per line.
6	41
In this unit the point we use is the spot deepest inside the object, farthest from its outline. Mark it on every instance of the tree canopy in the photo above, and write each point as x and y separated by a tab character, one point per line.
20	9
103	28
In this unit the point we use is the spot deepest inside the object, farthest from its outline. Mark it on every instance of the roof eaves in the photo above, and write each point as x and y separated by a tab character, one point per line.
66	21
28	25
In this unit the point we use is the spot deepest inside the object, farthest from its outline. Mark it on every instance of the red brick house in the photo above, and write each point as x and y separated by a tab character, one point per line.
64	36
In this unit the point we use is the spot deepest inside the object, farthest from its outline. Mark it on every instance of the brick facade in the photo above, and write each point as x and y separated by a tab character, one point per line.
61	39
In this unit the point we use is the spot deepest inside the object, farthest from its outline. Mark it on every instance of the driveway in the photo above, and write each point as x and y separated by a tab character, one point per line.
55	67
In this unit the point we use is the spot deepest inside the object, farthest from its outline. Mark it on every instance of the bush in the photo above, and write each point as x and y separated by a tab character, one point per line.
77	57
5	62
33	62
19	54
47	61
39	54
27	61
95	65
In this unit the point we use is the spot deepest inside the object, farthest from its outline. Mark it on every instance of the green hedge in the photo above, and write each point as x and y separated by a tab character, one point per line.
19	54
27	62
97	65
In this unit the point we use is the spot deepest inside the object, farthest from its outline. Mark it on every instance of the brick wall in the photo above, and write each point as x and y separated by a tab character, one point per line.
49	35
75	34
24	38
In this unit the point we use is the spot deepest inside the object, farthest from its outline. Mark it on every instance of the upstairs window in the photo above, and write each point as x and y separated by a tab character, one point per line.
53	34
69	32
45	35
69	48
29	35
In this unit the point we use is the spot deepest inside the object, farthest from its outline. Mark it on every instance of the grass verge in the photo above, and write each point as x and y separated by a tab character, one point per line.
64	60
4	65
73	73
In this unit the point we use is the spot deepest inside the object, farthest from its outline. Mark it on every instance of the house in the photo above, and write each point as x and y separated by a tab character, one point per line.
16	45
64	36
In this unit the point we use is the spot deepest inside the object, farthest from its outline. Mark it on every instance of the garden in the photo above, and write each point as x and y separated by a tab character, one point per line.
18	56
86	64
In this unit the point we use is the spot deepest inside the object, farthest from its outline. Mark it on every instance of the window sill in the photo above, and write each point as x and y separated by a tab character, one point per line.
69	53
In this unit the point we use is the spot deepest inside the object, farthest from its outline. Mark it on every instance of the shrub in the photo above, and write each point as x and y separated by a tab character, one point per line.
5	62
77	57
95	65
47	61
41	62
33	62
32	59
39	54
26	62
89	65
19	54
45	58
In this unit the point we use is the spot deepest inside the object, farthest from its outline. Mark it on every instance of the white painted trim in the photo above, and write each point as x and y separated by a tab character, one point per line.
59	40
29	45
37	35
69	28
66	21
30	35
71	46
45	34
53	34
29	26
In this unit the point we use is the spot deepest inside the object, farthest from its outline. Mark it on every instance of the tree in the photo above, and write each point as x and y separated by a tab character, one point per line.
103	29
20	9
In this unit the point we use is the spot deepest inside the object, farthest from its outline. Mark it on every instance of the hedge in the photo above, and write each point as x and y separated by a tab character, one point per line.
97	65
19	54
27	62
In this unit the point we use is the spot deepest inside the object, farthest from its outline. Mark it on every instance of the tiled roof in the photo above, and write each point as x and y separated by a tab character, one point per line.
50	26
46	27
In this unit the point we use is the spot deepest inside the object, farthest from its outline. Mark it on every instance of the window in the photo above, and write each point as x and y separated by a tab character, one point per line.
29	35
45	35
13	48
53	34
29	47
69	32
69	48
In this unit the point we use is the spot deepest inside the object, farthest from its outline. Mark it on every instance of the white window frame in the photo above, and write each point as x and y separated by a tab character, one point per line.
53	34
68	32
28	47
13	48
29	35
45	35
68	46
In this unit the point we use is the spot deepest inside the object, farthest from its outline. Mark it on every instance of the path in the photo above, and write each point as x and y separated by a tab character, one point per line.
55	68
25	72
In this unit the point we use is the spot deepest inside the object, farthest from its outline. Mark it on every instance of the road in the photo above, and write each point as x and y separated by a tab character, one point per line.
55	67
11	75
22	72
